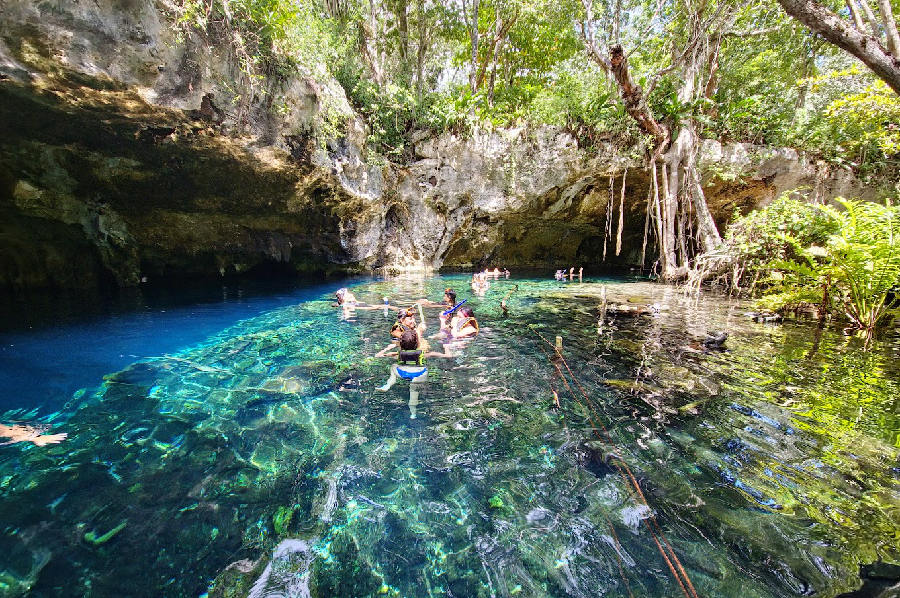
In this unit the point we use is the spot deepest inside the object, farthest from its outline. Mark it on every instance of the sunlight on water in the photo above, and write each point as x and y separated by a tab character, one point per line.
262	460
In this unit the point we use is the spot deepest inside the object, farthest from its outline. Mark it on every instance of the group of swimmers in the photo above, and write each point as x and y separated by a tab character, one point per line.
561	274
408	344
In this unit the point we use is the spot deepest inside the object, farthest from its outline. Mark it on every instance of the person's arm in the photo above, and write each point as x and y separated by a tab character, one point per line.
422	327
430	303
446	353
386	352
367	307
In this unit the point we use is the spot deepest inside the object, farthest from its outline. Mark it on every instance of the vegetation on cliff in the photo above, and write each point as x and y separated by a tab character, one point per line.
656	75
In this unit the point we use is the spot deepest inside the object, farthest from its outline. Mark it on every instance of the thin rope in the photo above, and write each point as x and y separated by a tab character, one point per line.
629	477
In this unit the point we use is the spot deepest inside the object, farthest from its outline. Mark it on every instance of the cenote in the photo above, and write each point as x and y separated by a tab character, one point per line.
237	446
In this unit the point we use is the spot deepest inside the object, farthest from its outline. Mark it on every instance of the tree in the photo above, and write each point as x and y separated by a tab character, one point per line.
678	201
851	36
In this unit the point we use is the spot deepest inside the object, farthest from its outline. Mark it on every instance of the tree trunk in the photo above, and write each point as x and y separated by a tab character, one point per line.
421	49
870	17
854	14
830	26
633	98
890	27
473	37
681	156
403	30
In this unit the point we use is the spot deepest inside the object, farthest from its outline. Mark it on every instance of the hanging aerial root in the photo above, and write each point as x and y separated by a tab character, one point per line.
621	214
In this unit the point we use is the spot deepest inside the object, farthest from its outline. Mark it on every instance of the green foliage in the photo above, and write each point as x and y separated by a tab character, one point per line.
394	113
261	30
281	520
407	67
866	124
582	100
778	232
844	262
863	261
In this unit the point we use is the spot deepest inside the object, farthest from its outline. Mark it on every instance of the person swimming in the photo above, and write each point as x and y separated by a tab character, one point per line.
480	283
410	366
462	325
406	320
35	435
348	301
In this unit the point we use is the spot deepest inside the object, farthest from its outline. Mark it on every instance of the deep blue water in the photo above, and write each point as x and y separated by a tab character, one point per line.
51	348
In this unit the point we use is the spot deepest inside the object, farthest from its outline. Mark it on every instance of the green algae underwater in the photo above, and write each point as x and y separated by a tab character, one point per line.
262	462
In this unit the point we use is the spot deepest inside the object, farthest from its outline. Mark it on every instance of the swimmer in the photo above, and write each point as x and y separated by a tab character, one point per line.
571	272
505	273
580	272
406	320
348	300
21	433
479	284
410	366
462	325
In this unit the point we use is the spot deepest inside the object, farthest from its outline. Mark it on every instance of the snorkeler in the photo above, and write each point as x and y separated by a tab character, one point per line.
462	325
410	366
479	283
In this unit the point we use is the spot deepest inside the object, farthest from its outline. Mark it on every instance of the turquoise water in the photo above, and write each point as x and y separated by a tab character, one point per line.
251	455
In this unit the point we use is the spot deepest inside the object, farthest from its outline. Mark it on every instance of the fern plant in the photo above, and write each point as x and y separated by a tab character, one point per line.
864	261
856	272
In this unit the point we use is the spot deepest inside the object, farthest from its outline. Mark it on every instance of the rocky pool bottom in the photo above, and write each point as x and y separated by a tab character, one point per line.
262	462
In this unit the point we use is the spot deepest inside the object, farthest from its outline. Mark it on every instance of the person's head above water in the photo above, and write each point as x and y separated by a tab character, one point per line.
450	297
405	319
409	340
342	294
466	312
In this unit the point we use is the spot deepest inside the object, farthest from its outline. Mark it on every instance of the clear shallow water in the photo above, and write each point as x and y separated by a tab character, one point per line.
260	459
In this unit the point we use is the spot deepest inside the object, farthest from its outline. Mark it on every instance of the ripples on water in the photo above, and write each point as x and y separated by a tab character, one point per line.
263	462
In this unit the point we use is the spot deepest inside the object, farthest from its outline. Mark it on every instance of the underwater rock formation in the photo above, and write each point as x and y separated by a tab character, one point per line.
133	148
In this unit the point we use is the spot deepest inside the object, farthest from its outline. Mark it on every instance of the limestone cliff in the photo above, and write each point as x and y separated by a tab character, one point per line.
128	153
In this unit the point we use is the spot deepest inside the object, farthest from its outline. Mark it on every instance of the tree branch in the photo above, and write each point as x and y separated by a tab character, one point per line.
890	27
836	31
